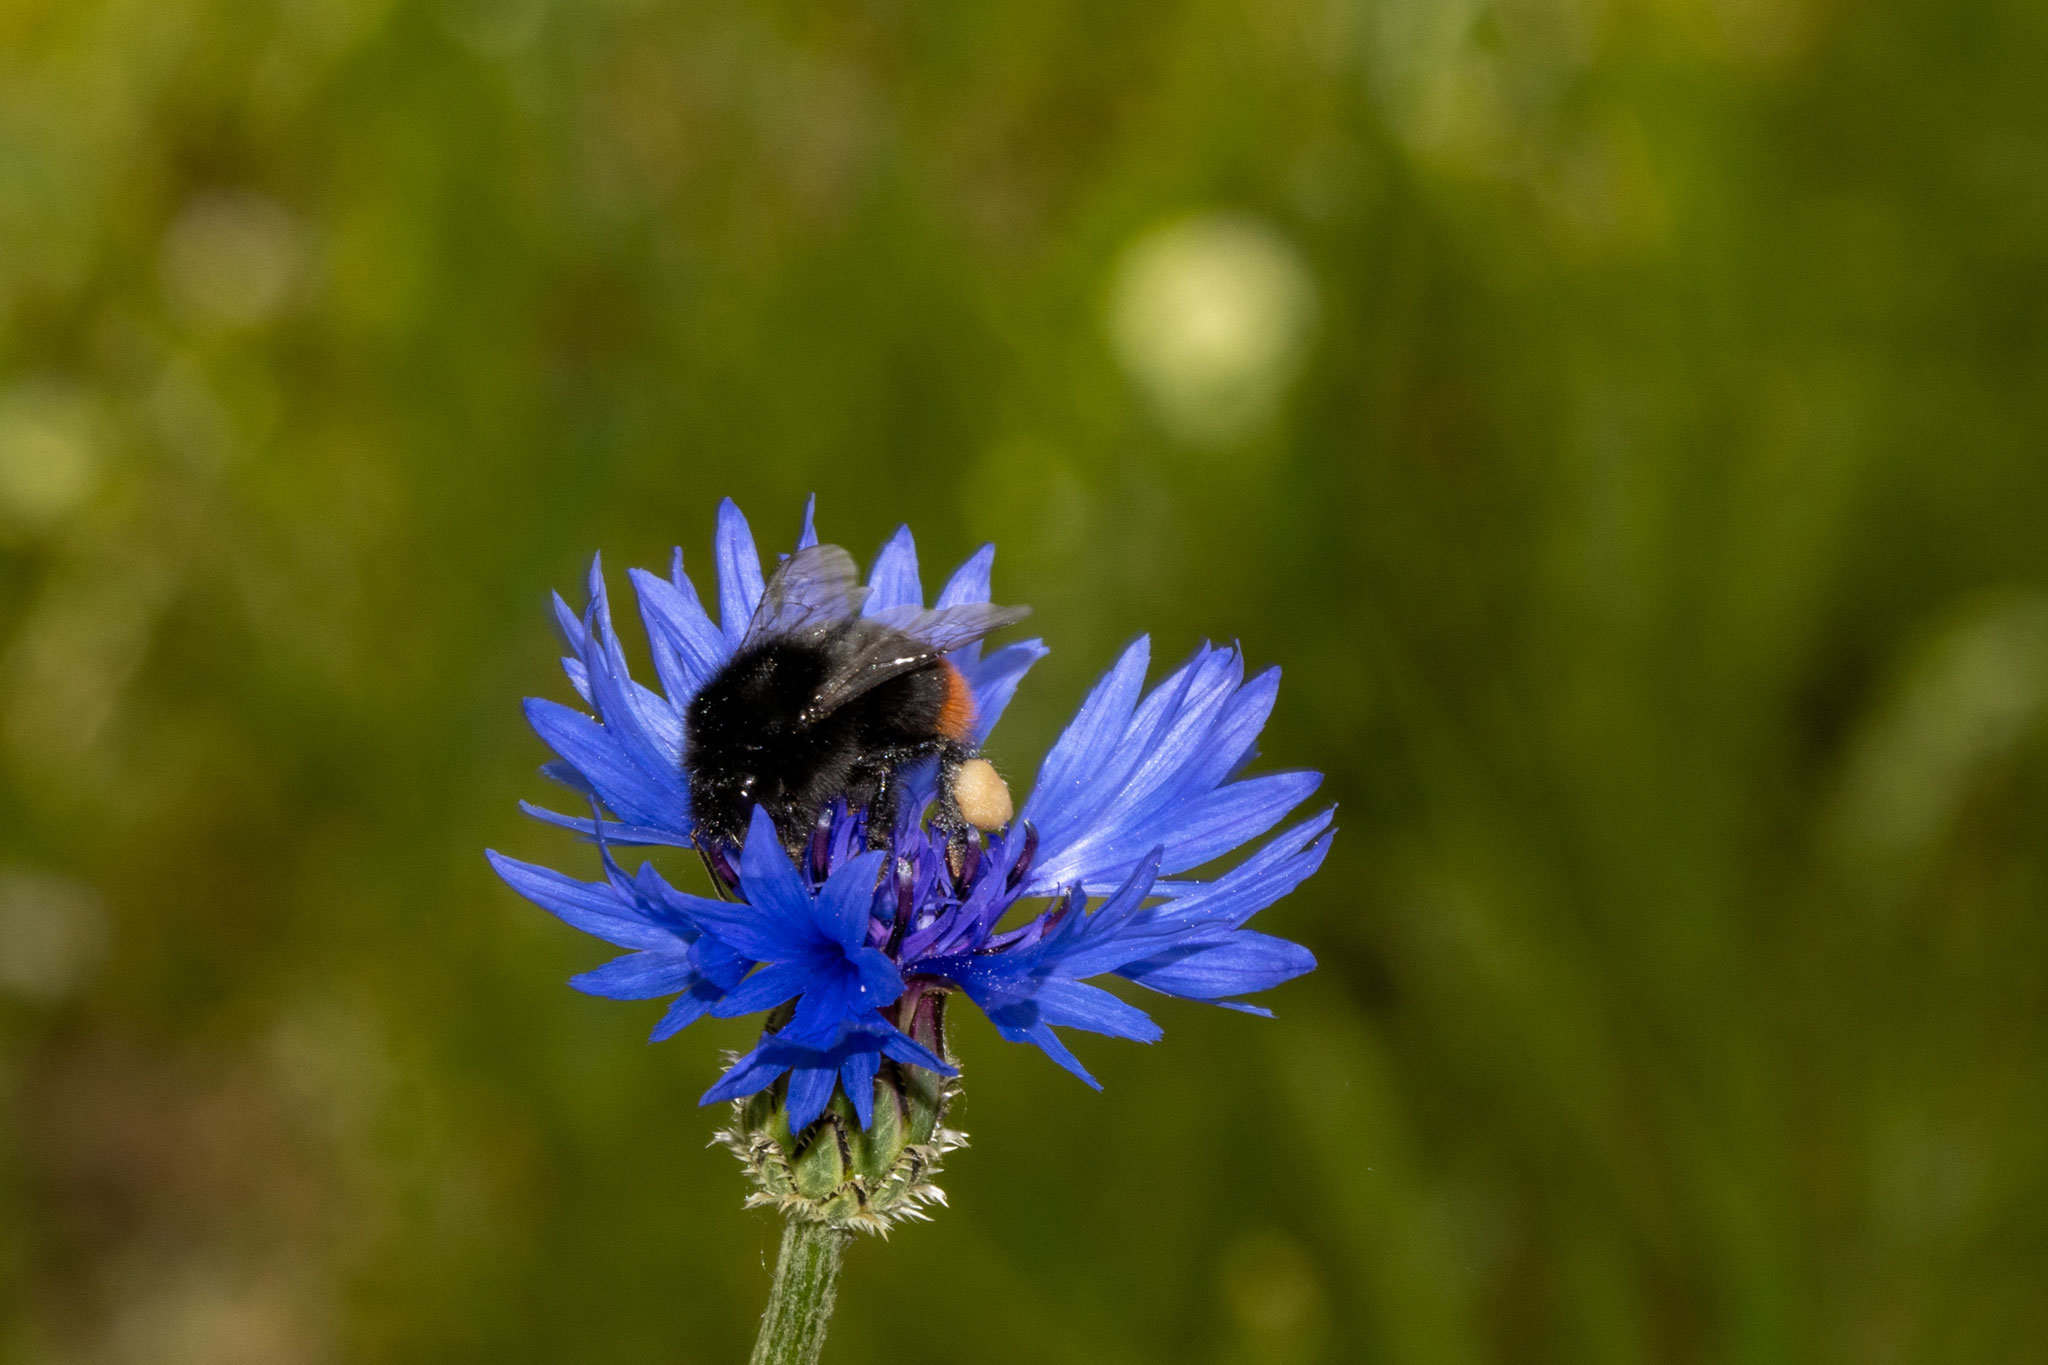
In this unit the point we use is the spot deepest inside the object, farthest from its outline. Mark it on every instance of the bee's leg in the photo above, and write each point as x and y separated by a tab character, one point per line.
946	816
881	804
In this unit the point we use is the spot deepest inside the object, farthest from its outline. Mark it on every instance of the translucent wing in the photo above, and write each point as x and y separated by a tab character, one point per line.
815	590
946	629
901	640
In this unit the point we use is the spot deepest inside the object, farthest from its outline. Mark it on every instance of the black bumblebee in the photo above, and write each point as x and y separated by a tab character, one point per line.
821	702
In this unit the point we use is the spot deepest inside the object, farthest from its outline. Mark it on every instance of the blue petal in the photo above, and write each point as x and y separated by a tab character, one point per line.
1084	747
1023	1010
1235	815
831	1001
592	907
579	677
719	963
1084	946
615	832
751	1074
765	989
1127	777
877	981
739	574
970	582
808	536
776	1054
564	772
810	1090
1146	759
639	976
647	726
893	580
1241	964
1175	734
906	1049
686	1010
1230	740
857	1078
766	874
1276	869
1048	1042
1074	1004
687	647
572	630
780	921
570	624
596	753
763	931
994	680
1192	833
1023	1026
844	901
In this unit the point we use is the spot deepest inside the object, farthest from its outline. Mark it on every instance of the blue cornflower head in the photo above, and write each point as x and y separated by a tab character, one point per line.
850	933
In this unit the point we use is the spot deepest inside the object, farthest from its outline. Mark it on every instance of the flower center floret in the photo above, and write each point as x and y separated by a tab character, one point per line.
842	928
812	940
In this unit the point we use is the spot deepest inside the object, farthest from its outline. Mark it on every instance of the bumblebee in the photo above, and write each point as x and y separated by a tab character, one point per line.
820	702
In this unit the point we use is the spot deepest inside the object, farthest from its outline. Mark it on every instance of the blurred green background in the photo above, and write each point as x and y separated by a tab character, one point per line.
1625	421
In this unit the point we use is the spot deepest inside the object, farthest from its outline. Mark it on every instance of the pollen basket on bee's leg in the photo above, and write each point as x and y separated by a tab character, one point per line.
982	795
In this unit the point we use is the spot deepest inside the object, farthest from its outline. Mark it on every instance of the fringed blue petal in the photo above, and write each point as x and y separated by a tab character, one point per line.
775	1055
1074	1004
994	680
767	876
613	831
592	907
1061	797
648	728
810	1089
639	976
893	583
603	761
970	582
687	647
684	1011
739	574
1243	963
857	1077
1129	775
765	989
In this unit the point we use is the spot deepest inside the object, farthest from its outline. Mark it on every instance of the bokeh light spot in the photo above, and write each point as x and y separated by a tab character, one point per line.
49	452
1211	318
231	259
55	930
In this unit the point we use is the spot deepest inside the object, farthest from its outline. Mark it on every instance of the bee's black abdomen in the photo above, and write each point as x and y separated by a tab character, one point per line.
744	738
750	742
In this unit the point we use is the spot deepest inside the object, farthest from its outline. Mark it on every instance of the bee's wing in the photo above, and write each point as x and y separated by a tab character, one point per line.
902	640
946	629
815	589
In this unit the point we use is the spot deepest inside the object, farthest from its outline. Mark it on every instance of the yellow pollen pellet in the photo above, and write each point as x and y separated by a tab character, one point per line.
982	795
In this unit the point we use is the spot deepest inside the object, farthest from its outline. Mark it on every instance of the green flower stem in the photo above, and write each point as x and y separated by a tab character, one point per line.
800	1301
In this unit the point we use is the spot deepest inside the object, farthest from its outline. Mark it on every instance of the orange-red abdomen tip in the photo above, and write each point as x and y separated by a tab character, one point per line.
956	715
